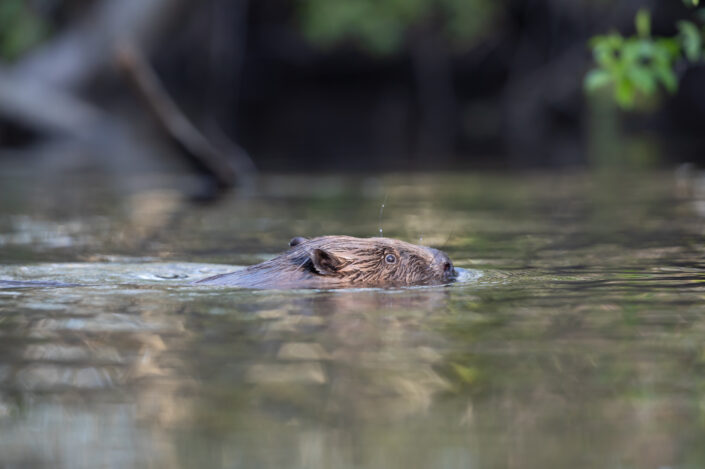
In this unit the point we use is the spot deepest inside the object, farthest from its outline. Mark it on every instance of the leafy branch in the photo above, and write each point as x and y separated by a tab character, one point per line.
380	26
20	28
640	65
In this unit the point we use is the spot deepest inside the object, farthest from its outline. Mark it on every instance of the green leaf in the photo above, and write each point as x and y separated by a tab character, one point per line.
692	41
597	78
668	78
643	23
643	79
624	93
610	41
606	48
668	47
20	28
636	51
645	48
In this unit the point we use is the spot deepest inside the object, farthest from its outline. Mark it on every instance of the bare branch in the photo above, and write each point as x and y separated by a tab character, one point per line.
172	121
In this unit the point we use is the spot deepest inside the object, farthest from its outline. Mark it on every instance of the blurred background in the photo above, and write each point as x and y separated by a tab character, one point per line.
550	147
348	85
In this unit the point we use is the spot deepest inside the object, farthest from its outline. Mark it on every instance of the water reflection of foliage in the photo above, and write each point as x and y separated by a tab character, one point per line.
606	361
71	361
349	353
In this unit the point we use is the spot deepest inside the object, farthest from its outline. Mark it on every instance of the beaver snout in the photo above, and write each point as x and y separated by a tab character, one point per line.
449	271
445	265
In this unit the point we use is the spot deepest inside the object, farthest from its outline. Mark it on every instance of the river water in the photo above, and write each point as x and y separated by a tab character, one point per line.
576	338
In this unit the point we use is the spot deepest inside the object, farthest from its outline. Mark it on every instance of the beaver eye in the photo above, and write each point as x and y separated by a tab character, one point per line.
390	259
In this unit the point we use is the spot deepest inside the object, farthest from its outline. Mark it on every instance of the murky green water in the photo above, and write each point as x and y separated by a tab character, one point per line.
581	345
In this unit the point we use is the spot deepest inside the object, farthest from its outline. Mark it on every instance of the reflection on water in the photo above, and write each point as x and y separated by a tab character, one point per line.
580	345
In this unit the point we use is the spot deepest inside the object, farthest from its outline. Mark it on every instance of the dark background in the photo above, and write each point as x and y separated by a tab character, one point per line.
510	95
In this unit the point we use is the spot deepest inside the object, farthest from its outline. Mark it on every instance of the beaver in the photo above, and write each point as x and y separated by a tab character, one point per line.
344	262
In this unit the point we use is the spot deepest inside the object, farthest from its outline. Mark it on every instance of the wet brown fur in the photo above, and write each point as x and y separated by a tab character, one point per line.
344	262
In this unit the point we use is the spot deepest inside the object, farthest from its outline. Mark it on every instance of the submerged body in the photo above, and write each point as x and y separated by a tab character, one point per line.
344	262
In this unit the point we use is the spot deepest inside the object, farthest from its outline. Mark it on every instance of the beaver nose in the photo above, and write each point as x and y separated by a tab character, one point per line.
448	270
446	266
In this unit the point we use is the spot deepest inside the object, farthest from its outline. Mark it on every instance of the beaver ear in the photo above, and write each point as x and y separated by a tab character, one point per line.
325	262
296	241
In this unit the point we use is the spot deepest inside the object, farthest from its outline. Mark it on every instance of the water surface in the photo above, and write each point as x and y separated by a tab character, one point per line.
581	344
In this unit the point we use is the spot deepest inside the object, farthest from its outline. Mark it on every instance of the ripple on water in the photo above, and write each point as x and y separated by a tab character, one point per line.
156	273
577	320
111	273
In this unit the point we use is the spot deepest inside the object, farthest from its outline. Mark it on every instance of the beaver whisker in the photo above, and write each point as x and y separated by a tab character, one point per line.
303	263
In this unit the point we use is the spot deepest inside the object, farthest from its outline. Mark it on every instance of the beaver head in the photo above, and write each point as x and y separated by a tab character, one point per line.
372	261
345	262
